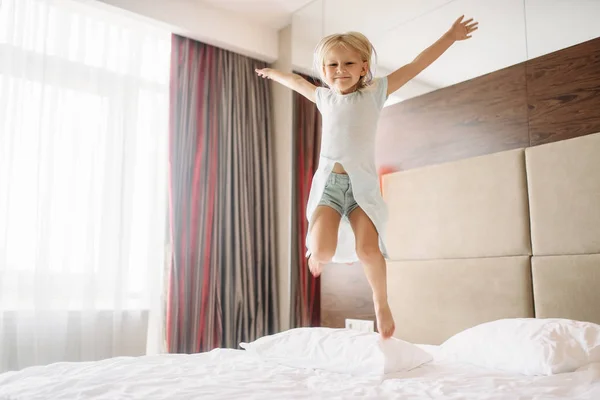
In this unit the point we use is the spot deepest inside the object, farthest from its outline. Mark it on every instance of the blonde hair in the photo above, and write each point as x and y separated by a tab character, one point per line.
350	40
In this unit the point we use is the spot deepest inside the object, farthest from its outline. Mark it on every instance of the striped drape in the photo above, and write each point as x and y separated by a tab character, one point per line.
305	289
222	284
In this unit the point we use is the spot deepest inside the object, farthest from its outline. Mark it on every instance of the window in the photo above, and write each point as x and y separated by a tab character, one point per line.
83	155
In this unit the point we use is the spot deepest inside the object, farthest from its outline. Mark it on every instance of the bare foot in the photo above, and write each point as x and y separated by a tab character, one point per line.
315	267
385	321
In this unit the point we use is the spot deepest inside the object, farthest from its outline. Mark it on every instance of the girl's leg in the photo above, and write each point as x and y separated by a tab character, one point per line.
323	234
367	249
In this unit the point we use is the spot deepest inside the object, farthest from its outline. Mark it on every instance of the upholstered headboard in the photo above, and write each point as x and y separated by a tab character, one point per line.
512	234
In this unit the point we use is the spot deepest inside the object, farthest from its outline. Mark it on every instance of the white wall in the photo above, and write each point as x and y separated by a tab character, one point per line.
207	24
282	132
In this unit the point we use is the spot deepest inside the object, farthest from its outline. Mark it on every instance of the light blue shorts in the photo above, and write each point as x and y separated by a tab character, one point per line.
338	194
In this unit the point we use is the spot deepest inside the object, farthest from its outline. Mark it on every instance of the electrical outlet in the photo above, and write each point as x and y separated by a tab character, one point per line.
360	325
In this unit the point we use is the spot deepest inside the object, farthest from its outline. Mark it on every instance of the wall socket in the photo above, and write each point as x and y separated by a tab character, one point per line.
360	325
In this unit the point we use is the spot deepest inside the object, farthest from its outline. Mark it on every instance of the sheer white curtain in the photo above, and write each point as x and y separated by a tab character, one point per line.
83	196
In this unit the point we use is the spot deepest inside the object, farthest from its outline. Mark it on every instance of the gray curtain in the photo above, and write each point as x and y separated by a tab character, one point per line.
223	287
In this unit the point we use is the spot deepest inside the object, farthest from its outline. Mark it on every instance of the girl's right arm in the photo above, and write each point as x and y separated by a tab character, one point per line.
292	81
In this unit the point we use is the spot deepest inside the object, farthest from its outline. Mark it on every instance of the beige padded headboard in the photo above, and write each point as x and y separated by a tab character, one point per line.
564	198
461	239
433	299
475	207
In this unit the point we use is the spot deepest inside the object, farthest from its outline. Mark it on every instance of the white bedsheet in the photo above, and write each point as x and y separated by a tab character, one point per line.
233	374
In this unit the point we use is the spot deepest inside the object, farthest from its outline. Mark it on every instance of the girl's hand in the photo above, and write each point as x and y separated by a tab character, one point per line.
265	72
462	30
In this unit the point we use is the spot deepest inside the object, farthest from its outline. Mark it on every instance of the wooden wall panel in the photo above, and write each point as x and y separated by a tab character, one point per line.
481	116
563	90
550	98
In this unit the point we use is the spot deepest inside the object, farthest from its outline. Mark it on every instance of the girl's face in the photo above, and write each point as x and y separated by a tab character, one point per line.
343	68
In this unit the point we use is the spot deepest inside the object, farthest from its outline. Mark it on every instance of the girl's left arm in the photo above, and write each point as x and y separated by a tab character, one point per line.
460	30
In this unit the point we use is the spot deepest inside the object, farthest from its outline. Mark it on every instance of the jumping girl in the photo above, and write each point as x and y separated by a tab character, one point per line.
345	210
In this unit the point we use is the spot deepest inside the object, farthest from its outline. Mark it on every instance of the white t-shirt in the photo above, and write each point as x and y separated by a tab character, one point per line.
348	137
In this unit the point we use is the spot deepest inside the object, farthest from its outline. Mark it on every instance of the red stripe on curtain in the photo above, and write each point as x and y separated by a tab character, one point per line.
306	294
210	194
303	177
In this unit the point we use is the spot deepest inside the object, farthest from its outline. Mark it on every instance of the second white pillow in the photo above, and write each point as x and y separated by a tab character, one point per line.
528	346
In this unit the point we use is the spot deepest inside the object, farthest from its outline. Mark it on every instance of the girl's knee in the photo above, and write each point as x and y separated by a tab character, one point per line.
368	254
323	254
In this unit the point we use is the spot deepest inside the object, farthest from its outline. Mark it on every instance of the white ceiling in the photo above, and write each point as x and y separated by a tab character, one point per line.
273	13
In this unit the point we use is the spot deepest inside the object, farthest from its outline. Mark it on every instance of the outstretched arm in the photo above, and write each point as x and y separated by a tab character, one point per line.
292	81
459	31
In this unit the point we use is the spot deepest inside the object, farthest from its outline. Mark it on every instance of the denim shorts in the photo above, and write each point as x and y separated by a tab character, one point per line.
338	194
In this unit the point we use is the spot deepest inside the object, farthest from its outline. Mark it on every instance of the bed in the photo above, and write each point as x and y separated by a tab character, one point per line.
232	374
494	285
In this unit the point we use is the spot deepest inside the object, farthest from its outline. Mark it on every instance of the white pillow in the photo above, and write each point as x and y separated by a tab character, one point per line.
338	350
528	346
